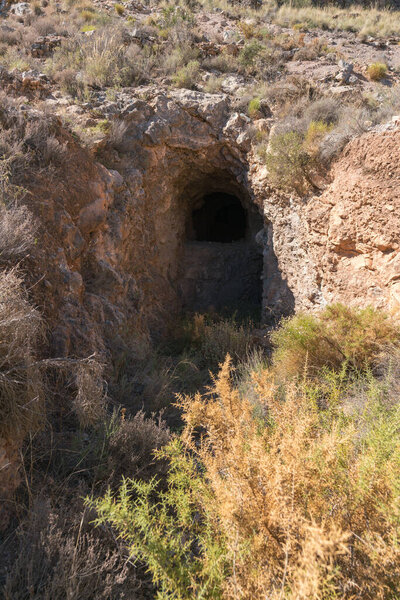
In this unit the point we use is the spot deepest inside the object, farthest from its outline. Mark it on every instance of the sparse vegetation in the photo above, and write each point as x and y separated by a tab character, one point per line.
119	9
21	389
377	71
338	335
292	490
289	165
60	556
254	107
187	76
364	20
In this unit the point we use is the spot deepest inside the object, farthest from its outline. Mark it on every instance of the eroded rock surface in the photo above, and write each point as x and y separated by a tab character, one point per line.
354	225
116	237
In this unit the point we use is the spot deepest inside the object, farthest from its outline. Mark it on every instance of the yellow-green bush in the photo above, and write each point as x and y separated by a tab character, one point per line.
187	76
254	107
289	165
377	71
337	335
119	9
316	132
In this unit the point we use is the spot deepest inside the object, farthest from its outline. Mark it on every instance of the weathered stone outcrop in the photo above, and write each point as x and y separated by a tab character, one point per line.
114	245
353	227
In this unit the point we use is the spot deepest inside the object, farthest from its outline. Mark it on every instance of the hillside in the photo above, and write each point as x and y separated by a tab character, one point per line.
182	181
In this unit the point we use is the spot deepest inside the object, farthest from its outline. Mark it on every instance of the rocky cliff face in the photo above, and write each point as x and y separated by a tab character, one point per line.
354	228
117	247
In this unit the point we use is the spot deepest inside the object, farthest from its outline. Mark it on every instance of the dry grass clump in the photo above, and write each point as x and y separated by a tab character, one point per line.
18	230
89	403
377	71
366	21
337	335
60	557
21	393
214	84
119	9
325	110
113	57
131	447
103	60
28	141
215	339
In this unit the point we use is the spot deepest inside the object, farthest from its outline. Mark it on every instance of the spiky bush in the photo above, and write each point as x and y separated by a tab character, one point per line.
299	501
338	335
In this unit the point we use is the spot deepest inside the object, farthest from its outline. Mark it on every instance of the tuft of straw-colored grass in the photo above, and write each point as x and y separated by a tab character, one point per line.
377	71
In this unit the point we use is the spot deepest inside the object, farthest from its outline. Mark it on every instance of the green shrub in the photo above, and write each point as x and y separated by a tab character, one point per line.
188	75
289	165
169	531
254	107
377	71
249	53
119	9
337	335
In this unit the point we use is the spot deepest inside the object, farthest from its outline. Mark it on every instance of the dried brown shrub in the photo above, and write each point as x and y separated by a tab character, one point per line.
28	141
306	498
90	400
61	557
18	229
132	445
21	394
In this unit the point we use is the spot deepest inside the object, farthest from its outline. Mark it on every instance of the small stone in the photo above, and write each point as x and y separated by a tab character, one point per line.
346	69
20	9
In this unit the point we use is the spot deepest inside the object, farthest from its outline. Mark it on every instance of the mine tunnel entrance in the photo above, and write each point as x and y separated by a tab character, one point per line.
222	263
222	218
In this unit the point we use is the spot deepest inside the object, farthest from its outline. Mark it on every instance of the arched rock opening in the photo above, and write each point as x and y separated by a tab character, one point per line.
221	218
222	265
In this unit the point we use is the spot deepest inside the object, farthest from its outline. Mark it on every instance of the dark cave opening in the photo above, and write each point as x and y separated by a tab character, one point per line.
222	264
221	218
